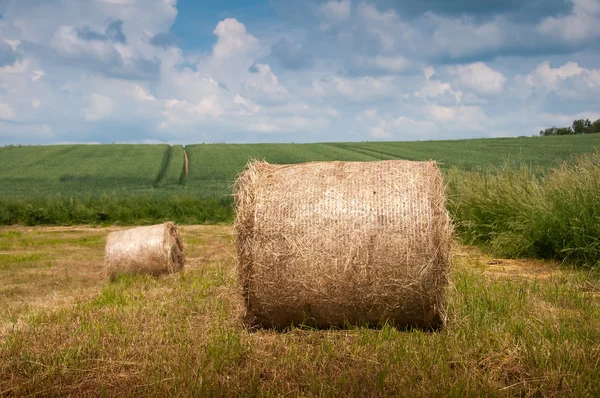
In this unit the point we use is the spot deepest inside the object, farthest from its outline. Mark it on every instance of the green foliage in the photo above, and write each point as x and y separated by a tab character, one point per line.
127	210
579	126
522	211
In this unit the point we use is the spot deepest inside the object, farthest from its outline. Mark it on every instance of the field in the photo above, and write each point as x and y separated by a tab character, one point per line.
516	328
156	171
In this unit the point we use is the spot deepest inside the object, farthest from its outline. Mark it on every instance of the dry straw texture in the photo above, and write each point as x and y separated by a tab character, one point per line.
155	250
343	243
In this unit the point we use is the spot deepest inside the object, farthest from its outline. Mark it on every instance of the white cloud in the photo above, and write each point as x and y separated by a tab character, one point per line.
248	107
100	107
582	24
389	127
6	112
35	103
262	85
393	64
461	37
569	79
335	11
359	89
13	43
432	89
428	72
233	40
37	74
479	77
386	27
463	117
141	93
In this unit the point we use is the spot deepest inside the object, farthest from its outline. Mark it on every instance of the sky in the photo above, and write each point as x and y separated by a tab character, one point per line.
183	71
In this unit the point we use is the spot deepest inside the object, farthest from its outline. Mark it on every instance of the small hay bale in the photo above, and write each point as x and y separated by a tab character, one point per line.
154	250
343	243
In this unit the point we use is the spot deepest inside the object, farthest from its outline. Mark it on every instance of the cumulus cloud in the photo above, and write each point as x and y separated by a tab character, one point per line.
99	108
6	112
464	37
479	77
335	11
467	117
569	79
358	89
233	40
390	127
582	24
292	54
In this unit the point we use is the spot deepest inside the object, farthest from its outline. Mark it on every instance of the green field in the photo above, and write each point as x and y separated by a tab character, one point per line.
157	170
213	167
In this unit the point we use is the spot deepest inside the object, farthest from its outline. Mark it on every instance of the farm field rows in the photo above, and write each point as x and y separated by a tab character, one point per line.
516	328
79	169
156	170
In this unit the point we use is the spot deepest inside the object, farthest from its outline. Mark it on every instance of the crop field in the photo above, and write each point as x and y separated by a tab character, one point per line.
80	169
157	170
516	328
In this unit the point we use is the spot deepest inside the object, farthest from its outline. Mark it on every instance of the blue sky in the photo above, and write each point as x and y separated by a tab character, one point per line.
88	71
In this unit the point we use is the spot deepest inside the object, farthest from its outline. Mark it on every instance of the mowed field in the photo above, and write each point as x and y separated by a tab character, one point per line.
516	328
158	170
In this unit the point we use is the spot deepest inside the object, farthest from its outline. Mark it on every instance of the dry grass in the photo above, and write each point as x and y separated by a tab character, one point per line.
69	332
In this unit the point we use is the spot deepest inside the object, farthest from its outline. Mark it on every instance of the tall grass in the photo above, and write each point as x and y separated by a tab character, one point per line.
521	211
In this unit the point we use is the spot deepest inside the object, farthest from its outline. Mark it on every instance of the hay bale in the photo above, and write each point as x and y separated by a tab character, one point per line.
154	250
337	243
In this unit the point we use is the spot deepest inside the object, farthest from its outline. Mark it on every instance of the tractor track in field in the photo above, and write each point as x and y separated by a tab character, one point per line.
186	165
163	168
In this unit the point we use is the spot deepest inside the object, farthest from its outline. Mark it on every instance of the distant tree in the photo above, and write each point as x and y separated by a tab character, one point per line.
579	126
564	131
549	131
594	127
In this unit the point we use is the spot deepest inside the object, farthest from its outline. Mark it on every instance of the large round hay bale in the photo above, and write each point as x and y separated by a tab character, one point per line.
154	250
343	243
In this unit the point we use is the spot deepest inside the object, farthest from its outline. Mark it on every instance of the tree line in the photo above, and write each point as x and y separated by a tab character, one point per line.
579	126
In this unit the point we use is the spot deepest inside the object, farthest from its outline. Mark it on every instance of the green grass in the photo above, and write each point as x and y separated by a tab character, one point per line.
482	154
522	211
77	170
534	331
